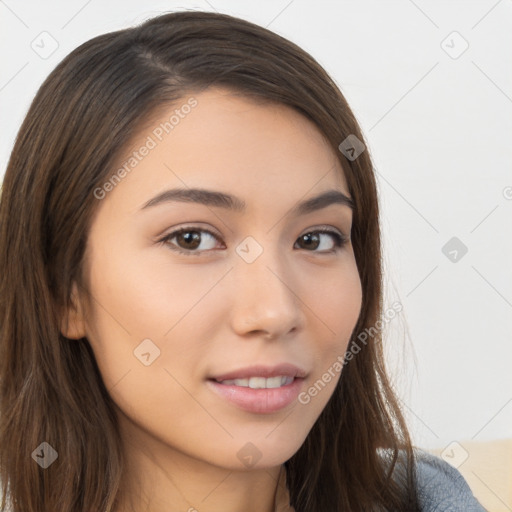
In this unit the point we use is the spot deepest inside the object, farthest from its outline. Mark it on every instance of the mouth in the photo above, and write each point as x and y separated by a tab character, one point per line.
260	389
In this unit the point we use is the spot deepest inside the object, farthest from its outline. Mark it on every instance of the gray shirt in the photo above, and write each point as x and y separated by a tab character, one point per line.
441	487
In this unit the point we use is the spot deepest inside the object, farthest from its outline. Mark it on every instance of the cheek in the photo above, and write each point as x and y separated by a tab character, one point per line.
148	331
335	303
147	313
144	297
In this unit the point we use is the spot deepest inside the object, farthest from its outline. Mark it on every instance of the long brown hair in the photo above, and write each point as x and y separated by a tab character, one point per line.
81	119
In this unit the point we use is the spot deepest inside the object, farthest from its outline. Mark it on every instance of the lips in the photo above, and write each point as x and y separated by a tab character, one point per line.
260	389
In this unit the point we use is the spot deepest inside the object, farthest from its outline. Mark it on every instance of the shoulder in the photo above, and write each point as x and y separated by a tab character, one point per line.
440	486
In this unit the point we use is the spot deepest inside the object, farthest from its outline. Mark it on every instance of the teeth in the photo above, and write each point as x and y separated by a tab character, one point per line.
260	382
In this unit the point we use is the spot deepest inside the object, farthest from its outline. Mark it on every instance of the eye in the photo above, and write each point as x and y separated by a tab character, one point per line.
316	238
195	240
188	240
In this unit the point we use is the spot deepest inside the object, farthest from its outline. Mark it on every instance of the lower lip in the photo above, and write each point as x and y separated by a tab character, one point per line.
261	401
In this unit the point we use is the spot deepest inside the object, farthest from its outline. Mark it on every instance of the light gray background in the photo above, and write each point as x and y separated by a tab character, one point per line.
438	124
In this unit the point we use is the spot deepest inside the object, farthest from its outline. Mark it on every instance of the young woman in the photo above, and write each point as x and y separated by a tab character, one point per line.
189	252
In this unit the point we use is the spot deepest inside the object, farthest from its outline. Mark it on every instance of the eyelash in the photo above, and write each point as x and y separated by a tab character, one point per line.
340	240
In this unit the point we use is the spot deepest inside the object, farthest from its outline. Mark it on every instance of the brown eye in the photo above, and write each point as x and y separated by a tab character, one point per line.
188	240
315	239
310	240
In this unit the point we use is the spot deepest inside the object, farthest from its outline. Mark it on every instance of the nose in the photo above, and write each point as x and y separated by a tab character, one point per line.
265	301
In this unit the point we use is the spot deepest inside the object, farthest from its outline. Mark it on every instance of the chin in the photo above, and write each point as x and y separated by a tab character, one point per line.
261	453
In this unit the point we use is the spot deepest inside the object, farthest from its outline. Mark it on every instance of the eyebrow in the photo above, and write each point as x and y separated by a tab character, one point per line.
230	202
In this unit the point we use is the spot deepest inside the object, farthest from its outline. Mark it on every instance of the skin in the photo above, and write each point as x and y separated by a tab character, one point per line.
214	312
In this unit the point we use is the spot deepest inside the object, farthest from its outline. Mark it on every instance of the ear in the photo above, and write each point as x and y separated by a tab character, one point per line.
73	321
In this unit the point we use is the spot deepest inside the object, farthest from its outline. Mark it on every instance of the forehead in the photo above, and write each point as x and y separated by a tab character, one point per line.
221	139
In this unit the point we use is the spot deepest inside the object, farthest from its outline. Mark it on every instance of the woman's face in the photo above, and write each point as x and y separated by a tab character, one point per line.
249	288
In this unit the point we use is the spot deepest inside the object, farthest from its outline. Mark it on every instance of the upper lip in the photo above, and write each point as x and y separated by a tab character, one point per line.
285	369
